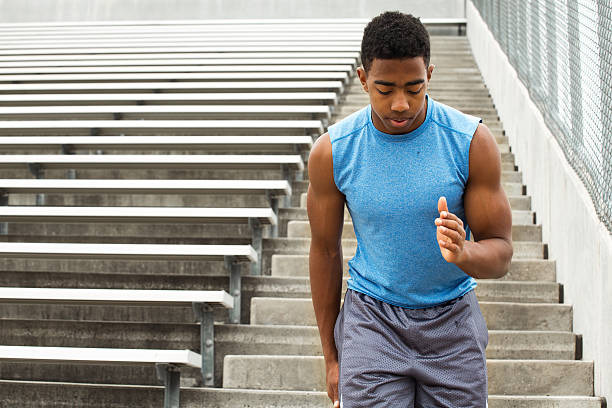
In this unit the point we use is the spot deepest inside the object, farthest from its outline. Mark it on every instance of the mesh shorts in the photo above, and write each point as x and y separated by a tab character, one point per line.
396	357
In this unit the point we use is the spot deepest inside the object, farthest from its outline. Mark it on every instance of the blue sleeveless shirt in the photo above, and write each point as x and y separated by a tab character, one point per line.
392	184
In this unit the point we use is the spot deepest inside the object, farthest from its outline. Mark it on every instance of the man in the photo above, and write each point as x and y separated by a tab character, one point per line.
414	174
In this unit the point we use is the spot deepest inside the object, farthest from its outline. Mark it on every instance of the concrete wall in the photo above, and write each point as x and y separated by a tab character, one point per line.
16	11
577	240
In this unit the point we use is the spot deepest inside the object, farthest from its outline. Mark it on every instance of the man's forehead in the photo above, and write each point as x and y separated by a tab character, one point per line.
398	66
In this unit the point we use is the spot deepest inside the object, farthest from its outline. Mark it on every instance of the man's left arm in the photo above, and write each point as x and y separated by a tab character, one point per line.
487	212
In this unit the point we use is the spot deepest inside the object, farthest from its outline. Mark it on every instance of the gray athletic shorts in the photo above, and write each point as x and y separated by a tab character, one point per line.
396	357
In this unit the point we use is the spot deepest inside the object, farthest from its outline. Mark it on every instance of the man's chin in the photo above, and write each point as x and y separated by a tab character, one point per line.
395	127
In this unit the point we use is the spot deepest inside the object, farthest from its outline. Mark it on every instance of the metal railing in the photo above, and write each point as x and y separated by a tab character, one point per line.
562	52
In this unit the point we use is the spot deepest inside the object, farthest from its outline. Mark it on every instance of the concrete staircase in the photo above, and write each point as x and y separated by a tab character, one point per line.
273	359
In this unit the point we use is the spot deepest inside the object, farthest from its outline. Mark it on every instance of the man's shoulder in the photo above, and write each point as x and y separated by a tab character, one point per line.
350	125
454	120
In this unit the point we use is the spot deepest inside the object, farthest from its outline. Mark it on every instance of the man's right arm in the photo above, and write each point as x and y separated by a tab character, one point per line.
325	205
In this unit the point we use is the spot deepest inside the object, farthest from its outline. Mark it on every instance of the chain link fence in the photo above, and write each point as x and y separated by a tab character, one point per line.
562	52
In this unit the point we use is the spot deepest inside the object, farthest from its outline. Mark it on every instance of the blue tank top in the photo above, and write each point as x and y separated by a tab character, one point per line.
392	184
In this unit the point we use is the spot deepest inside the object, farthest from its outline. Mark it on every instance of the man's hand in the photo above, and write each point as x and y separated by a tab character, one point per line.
332	373
450	233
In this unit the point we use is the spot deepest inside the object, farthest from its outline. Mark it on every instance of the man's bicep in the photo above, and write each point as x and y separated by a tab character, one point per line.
487	208
326	215
325	204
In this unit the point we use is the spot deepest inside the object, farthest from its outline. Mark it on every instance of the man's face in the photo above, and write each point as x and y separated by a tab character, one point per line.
397	89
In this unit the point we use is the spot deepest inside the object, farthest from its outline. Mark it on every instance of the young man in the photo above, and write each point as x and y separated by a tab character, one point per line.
414	174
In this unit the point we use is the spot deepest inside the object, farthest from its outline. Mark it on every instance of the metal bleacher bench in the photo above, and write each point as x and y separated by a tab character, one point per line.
183	68
164	127
201	45
256	218
178	55
183	35
272	189
214	98
167	362
208	24
178	77
243	86
69	144
165	112
146	39
38	162
231	255
177	61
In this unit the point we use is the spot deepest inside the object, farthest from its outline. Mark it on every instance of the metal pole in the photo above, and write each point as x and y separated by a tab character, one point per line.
204	315
4	200
37	171
256	233
235	288
274	205
170	375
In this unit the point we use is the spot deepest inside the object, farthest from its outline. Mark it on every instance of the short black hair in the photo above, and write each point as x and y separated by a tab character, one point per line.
392	35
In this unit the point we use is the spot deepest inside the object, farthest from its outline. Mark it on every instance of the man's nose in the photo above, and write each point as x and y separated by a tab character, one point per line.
399	103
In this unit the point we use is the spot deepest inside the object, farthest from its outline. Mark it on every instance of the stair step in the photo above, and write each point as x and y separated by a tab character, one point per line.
525	377
203	268
20	394
510	176
499	315
252	286
475	84
93	373
301	229
517	203
524	401
38	231
294	310
513	180
456	101
473	96
290	340
29	394
519	217
487	290
522	250
153	314
520	270
355	102
490	119
246	339
520	203
133	200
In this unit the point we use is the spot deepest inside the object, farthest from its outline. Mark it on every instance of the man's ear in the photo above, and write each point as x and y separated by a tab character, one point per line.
363	78
430	70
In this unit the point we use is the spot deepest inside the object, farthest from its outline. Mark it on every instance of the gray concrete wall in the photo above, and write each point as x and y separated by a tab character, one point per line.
17	11
577	240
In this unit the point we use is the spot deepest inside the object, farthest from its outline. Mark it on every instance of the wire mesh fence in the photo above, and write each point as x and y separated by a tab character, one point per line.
562	52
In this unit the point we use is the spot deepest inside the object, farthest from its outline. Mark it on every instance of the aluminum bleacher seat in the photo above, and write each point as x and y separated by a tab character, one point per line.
268	98
243	86
169	112
233	144
179	77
